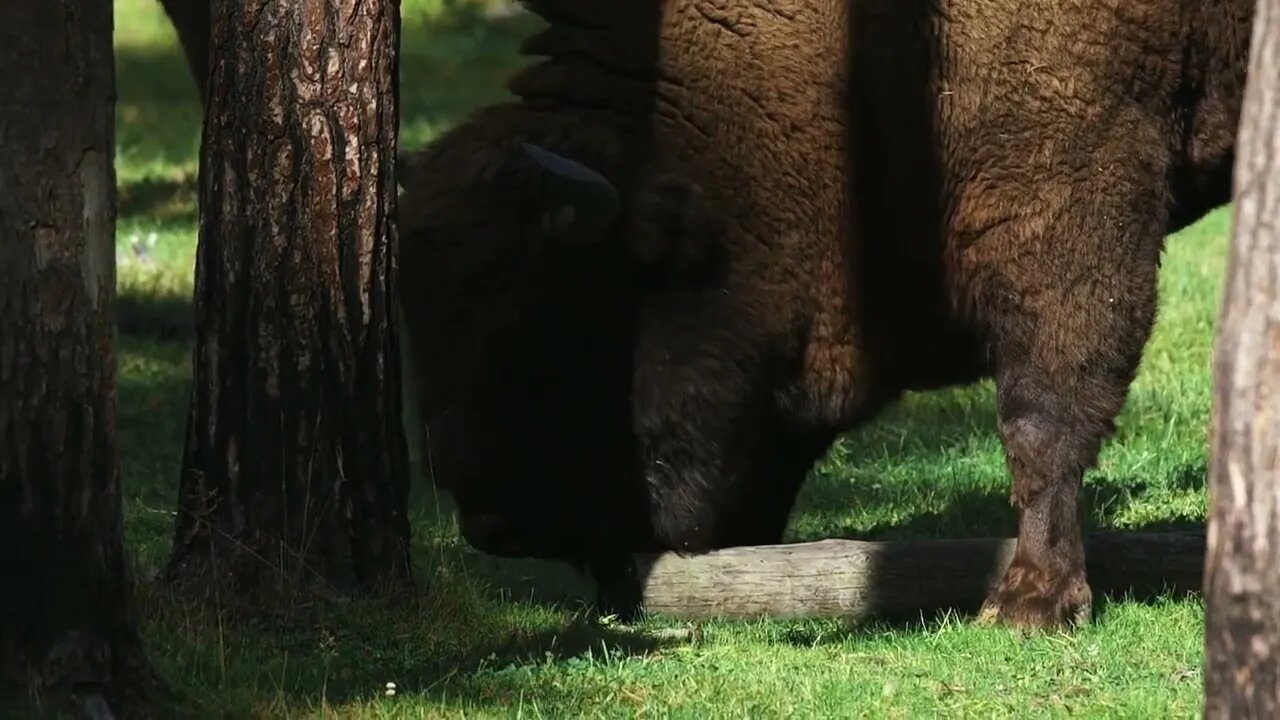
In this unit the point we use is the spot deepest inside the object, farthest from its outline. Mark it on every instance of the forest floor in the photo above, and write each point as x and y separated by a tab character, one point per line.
931	467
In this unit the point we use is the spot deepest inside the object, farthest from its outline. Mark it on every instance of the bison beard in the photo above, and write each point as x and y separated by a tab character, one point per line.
666	384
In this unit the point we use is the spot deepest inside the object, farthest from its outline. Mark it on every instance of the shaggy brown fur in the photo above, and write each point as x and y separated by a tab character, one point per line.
1017	167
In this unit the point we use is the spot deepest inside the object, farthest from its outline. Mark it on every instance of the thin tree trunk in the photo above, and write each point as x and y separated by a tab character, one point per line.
1242	567
66	616
295	467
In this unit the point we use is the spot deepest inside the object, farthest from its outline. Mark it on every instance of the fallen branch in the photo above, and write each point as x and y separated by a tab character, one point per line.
858	579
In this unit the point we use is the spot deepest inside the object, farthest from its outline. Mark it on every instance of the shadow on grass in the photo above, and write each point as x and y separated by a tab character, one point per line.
157	315
157	375
454	643
438	646
167	199
445	643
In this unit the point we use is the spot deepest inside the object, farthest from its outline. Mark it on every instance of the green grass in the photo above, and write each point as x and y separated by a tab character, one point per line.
930	467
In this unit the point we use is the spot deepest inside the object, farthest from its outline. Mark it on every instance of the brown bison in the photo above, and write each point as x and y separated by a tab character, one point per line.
803	209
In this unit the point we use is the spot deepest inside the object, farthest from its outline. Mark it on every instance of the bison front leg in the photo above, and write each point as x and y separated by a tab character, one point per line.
701	405
1068	296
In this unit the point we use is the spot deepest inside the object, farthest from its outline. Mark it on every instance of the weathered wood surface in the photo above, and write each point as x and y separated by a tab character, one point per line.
855	579
1242	568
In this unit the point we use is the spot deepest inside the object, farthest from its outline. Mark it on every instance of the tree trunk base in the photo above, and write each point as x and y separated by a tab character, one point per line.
85	675
239	573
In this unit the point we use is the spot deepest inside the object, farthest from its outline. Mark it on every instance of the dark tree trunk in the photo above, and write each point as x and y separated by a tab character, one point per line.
66	616
295	468
190	19
1242	567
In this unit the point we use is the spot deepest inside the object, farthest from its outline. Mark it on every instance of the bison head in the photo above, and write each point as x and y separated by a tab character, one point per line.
519	320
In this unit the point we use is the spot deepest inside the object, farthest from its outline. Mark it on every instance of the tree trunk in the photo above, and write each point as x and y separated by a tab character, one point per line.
190	19
66	616
1242	567
295	468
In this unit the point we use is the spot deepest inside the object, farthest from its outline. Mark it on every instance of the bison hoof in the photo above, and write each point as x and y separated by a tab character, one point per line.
1029	600
618	589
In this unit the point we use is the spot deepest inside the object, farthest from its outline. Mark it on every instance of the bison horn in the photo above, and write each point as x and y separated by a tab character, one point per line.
579	202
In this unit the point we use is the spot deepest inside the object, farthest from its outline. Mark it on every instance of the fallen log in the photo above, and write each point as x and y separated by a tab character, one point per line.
855	579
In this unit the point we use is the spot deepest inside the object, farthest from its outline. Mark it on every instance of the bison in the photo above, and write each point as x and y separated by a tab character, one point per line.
707	236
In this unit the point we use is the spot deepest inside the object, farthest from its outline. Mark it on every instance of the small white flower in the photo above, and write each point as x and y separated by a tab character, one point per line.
391	689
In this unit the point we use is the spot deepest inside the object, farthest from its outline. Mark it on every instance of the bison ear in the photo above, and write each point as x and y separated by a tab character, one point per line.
577	202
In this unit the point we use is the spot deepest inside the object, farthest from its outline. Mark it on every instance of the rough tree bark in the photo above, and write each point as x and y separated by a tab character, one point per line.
295	468
67	625
1242	565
